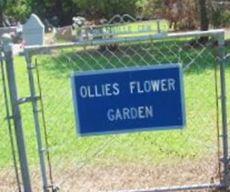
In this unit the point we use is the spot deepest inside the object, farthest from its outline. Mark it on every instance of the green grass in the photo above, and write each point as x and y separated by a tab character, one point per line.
196	140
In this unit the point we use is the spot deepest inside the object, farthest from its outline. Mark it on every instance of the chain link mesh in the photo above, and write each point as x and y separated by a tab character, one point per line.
137	160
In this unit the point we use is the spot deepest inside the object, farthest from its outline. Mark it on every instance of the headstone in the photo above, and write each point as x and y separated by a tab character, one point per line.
33	31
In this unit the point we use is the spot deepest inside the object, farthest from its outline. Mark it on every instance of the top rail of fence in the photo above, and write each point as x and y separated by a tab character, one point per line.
159	36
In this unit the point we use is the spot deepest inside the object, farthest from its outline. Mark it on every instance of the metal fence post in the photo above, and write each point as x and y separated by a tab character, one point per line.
41	149
226	171
8	52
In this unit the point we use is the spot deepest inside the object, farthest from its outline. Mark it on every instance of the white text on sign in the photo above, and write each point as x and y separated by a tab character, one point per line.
135	87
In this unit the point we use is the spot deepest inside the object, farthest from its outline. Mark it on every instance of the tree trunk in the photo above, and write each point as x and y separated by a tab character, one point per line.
2	9
58	10
1	18
204	20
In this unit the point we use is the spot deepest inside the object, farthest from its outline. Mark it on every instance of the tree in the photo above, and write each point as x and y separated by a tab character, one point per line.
3	4
17	10
152	8
181	15
95	9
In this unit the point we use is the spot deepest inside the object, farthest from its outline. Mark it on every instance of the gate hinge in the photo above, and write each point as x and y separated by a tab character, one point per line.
28	99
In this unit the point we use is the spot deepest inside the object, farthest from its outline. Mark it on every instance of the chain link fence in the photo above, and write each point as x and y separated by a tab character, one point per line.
133	160
143	160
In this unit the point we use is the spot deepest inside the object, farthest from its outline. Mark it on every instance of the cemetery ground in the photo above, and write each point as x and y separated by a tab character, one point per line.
133	160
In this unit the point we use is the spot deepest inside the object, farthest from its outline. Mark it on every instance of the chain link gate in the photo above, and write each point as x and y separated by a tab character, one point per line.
137	160
193	159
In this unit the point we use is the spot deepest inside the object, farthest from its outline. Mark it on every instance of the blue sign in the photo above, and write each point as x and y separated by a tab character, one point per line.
132	99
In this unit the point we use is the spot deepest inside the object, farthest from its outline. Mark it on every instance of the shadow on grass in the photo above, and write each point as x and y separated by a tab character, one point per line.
194	57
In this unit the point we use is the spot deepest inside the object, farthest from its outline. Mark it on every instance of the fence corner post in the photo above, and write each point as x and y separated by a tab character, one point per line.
7	46
225	159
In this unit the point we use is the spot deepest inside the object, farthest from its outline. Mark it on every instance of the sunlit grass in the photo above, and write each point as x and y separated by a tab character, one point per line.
196	140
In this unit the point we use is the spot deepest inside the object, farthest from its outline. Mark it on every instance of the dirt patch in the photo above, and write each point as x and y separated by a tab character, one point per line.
120	176
136	176
7	180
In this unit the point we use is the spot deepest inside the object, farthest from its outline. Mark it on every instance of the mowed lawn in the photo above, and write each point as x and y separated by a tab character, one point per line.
197	140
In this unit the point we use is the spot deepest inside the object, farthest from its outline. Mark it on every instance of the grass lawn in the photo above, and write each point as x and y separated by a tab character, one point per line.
196	141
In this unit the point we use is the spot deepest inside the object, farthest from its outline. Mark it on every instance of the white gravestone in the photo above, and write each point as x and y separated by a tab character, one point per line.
33	31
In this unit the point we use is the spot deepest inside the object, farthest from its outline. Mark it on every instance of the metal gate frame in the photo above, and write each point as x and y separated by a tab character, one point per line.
33	98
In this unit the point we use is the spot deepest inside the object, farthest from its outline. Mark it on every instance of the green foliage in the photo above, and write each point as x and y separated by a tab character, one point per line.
2	8
2	3
105	8
219	15
16	10
186	15
19	10
226	18
152	8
